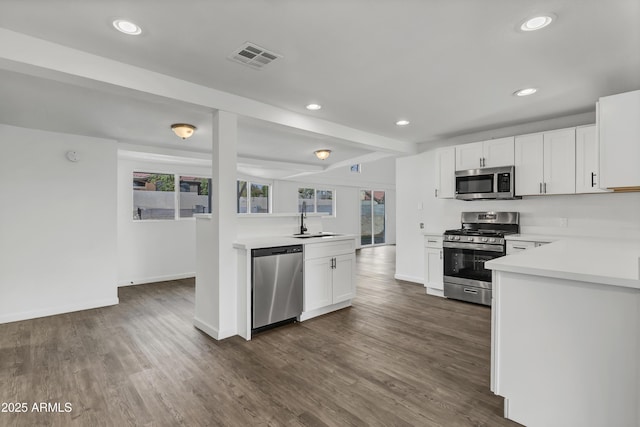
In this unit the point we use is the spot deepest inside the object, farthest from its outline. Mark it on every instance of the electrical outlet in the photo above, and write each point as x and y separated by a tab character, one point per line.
422	225
564	222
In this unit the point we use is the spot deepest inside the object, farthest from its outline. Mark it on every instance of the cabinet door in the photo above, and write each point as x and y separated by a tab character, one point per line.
560	162
529	164
619	129
317	283
445	173
587	158
499	152
469	156
434	268
343	278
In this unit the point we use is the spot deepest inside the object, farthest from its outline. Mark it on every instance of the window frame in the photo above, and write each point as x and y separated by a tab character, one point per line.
315	200
251	182
176	194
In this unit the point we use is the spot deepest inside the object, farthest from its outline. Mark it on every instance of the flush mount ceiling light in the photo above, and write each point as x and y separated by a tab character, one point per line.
183	130
525	92
537	22
127	27
314	107
402	122
323	154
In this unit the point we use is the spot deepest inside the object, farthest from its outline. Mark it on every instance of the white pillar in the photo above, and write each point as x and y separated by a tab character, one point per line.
216	294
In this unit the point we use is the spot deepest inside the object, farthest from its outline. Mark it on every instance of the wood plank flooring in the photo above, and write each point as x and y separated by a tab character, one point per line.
398	357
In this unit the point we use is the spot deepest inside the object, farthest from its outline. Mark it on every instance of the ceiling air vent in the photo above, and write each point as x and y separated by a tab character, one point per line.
253	56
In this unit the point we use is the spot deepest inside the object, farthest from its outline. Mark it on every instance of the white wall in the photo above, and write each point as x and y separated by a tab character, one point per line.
58	223
153	250
615	215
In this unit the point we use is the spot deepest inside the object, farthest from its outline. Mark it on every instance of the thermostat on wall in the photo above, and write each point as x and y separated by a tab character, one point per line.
73	156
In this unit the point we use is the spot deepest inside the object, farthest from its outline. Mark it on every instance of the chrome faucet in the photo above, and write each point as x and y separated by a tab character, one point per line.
302	215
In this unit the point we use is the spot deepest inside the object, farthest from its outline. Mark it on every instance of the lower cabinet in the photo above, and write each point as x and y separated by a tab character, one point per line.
433	265
329	277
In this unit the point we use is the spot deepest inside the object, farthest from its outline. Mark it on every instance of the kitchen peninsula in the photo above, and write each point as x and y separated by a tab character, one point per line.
329	269
566	333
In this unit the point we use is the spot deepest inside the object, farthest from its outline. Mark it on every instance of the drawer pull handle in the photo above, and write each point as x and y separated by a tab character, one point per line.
519	247
432	241
470	291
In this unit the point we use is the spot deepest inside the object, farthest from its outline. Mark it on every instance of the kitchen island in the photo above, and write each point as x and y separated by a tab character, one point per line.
566	333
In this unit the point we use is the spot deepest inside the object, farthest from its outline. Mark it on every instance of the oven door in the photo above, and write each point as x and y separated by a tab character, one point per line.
464	263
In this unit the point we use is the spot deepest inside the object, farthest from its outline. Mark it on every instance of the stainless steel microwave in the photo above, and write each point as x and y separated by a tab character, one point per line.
487	183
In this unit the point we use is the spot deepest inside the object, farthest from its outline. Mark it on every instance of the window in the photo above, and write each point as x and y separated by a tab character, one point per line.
253	197
153	196
317	200
194	196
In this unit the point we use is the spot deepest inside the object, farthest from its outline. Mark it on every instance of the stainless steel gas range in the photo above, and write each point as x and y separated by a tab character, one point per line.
480	239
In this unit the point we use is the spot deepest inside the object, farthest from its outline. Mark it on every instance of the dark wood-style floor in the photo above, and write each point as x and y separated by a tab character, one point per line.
396	358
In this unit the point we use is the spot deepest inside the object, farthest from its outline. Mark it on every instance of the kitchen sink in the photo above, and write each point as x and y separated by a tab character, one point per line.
307	236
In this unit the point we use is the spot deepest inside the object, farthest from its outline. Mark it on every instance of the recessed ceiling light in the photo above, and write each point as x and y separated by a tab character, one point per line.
536	23
402	122
314	107
525	92
127	27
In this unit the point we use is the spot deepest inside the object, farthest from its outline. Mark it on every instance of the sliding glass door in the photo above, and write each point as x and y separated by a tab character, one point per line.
372	217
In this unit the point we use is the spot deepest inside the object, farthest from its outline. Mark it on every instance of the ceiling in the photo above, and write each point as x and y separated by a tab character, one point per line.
450	67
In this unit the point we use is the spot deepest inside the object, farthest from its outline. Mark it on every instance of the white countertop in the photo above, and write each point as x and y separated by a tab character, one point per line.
594	260
532	237
272	241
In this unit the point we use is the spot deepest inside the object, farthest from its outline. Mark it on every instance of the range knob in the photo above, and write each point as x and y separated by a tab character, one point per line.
484	239
456	237
450	237
492	240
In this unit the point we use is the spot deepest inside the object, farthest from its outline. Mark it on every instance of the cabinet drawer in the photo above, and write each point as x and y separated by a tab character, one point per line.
518	246
433	241
327	249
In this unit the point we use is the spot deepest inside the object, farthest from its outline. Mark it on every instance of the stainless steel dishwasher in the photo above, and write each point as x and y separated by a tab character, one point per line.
277	283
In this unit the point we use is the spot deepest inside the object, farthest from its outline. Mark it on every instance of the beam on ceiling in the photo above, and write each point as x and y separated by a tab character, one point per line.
56	58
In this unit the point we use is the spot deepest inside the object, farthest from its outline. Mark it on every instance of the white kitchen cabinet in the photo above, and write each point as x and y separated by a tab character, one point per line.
329	277
445	175
545	163
619	135
587	160
485	154
433	265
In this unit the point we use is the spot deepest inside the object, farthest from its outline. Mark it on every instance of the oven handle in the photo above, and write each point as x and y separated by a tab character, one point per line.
478	246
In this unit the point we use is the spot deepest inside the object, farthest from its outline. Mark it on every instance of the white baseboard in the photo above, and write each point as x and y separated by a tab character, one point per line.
414	279
144	280
435	292
52	311
306	315
212	331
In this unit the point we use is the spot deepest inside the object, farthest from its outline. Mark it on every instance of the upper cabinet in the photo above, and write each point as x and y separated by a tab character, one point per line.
485	154
587	160
545	163
445	173
619	131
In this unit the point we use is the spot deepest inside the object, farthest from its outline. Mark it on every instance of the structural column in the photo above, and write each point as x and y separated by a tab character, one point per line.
216	282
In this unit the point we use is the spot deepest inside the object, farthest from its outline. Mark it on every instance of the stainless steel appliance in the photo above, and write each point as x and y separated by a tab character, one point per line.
480	239
277	285
487	183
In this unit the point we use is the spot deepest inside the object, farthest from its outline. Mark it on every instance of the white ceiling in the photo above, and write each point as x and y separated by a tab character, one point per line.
450	67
